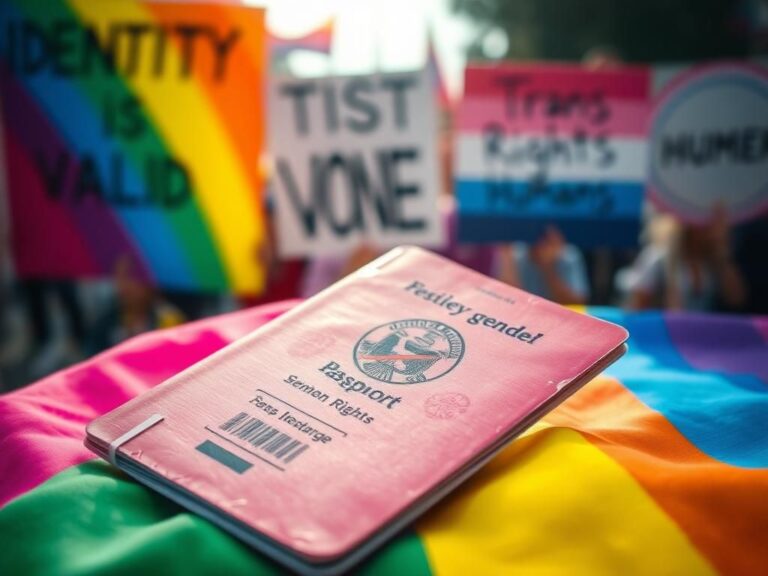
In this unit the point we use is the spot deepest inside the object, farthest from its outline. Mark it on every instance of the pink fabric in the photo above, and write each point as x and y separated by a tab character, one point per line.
42	426
629	119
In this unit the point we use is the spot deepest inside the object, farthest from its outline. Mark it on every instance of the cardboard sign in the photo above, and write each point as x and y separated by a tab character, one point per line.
133	129
709	141
552	144
354	161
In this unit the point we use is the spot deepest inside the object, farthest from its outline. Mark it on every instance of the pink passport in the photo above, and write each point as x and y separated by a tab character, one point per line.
323	433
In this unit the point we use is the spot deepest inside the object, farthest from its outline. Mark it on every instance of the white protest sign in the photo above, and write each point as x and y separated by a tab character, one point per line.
354	161
709	141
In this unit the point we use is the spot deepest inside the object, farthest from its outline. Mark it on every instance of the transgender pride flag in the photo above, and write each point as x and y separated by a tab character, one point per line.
659	466
552	144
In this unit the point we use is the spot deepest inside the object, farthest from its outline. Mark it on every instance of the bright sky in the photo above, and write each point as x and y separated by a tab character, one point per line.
385	35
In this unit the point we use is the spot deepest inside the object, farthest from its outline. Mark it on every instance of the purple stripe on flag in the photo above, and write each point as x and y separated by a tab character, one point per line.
727	344
761	325
103	233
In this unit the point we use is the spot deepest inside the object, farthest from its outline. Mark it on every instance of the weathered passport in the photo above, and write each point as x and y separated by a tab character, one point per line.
323	433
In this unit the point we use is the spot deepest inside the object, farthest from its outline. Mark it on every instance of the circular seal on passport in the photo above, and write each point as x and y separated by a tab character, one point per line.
409	351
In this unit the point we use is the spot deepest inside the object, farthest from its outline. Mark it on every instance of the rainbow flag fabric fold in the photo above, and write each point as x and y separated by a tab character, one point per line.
659	466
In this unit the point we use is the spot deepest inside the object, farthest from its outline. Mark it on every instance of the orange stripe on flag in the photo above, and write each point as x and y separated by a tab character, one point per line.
551	504
714	503
191	127
241	111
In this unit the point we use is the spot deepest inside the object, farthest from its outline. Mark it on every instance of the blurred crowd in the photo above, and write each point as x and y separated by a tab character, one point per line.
713	266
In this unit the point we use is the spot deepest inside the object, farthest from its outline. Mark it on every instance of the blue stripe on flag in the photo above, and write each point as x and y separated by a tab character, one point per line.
724	415
558	199
585	232
79	125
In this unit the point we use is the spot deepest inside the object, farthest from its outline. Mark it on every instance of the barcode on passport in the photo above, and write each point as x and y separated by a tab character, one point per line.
264	437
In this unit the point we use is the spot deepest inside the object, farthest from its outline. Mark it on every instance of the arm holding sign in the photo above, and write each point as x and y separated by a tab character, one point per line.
645	279
692	270
359	257
561	269
551	268
506	269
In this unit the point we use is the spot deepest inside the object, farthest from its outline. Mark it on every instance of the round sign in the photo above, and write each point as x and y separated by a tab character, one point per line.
709	143
409	351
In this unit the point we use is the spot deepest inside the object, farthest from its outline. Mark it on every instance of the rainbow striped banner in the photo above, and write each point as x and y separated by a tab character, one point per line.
133	129
319	40
659	466
544	144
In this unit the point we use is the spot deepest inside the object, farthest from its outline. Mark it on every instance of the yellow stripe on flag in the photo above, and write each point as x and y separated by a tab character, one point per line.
191	130
552	503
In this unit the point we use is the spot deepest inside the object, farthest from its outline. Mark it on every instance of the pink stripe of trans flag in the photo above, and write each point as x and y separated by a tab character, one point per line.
42	426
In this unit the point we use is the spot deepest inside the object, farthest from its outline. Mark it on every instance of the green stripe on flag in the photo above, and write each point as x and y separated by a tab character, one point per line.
186	221
92	519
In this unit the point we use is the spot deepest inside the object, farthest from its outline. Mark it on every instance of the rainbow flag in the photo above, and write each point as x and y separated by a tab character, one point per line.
319	40
133	129
659	466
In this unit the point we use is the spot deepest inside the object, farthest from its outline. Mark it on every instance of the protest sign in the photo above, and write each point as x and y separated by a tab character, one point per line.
559	145
133	129
354	161
709	141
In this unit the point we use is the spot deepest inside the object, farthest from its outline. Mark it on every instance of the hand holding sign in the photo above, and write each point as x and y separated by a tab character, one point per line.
546	252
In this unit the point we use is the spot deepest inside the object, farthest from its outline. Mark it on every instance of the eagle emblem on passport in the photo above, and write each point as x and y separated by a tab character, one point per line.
409	351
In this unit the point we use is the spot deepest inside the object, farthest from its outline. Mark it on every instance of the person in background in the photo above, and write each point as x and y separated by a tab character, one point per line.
49	352
603	262
691	270
550	268
322	271
137	308
750	240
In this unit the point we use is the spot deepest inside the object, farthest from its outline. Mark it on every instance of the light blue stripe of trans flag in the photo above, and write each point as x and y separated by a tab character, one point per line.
77	122
472	196
722	414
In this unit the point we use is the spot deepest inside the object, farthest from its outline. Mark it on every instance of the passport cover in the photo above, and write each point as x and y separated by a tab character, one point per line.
321	434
